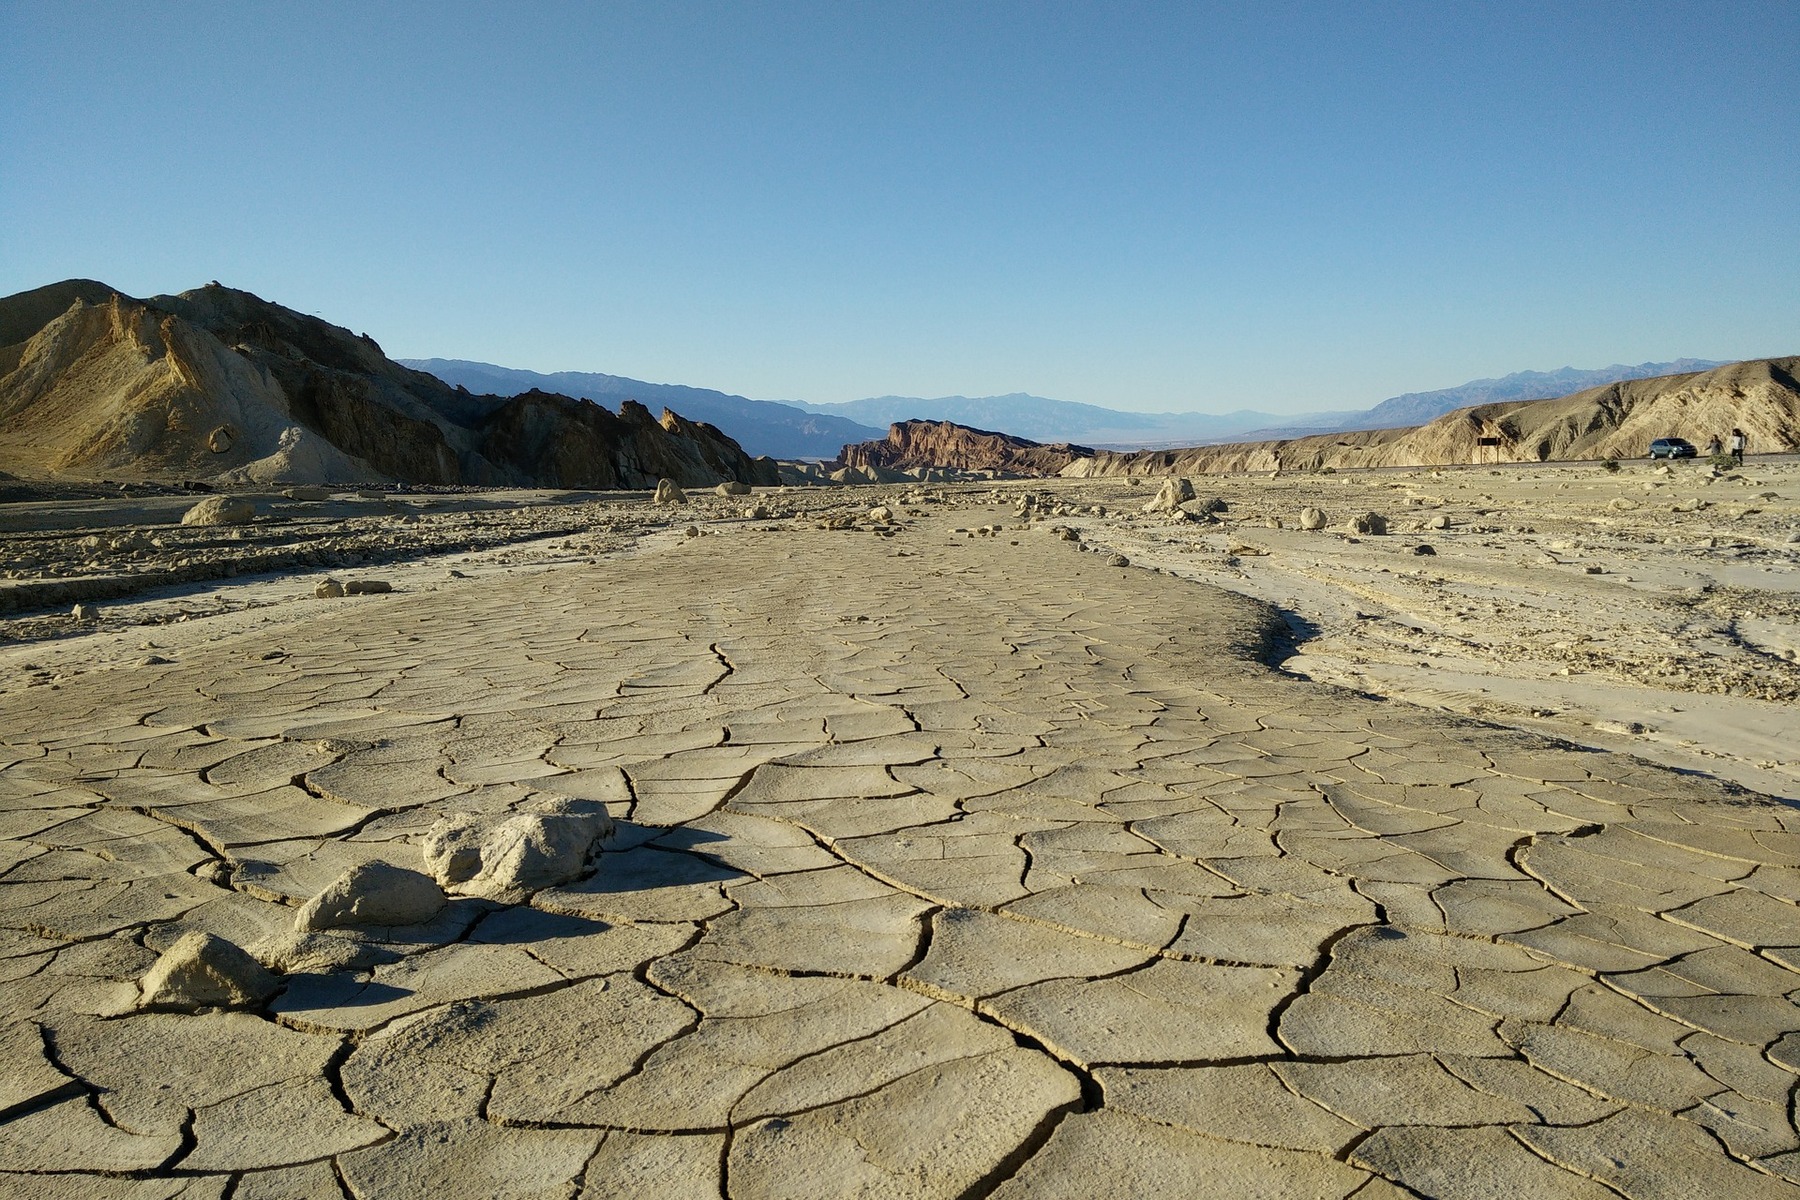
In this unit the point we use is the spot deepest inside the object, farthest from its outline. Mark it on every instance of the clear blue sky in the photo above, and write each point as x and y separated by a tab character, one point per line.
1147	206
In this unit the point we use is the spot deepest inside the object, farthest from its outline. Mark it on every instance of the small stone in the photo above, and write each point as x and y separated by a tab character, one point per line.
669	492
202	970
372	893
367	587
1373	524
881	513
328	589
308	492
1592	570
1312	519
732	487
85	612
757	512
1440	521
1118	560
692	531
314	953
220	439
1424	550
1244	548
452	849
220	510
153	660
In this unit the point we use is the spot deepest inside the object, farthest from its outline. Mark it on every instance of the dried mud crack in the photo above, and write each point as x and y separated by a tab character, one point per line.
989	869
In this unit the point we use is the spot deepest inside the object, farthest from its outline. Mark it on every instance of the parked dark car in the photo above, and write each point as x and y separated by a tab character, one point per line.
1672	448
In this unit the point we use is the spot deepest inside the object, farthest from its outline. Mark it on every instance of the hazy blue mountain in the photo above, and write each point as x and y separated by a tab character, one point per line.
1416	408
759	426
1045	420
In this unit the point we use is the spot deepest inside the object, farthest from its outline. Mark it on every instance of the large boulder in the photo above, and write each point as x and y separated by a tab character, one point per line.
1171	496
202	970
372	893
733	487
220	510
508	858
669	492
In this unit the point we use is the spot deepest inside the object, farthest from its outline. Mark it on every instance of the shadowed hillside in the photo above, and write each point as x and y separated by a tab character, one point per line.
218	383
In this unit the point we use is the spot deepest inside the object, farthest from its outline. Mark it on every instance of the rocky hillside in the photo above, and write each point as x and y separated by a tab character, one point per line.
1619	420
927	444
216	383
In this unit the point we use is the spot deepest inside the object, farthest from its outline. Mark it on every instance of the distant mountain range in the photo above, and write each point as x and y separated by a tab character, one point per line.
1416	408
1045	420
781	430
797	429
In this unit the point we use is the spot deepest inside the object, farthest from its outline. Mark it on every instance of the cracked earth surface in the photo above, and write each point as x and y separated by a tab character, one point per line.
944	867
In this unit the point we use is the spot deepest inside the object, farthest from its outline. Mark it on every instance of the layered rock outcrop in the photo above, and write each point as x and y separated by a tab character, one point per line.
911	445
219	383
1620	420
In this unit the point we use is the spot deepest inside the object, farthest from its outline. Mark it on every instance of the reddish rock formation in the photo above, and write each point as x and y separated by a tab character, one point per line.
912	445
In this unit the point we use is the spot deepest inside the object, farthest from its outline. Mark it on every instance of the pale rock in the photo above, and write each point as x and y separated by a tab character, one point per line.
372	893
328	589
316	953
202	970
732	487
881	513
220	510
367	587
220	439
85	613
757	512
452	848
669	492
1118	560
1373	524
308	492
1439	521
1312	519
519	853
1172	494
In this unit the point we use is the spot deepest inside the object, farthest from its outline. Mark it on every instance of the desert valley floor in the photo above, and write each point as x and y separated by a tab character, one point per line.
972	848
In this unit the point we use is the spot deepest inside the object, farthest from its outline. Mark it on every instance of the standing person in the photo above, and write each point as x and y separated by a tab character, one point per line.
1714	448
1737	446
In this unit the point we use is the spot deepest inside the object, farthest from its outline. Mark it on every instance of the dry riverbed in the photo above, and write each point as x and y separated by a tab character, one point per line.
777	845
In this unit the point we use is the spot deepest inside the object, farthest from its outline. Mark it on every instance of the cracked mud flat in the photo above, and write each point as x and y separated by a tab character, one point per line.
946	866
